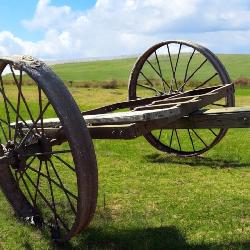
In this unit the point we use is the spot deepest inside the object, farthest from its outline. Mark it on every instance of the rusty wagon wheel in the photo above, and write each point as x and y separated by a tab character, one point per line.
173	67
48	181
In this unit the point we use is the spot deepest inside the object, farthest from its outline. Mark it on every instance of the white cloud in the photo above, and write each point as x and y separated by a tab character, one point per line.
47	15
10	44
119	27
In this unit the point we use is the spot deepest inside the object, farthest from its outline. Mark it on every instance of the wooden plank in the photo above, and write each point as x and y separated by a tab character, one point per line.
119	117
133	116
124	131
234	117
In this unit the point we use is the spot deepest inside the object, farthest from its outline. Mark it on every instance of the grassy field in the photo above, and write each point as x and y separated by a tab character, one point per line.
101	71
151	200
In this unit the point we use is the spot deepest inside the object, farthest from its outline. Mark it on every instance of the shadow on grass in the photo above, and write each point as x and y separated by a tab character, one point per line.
197	161
150	238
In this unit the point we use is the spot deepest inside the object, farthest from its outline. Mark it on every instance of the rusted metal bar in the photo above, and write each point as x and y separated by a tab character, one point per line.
196	101
123	105
146	101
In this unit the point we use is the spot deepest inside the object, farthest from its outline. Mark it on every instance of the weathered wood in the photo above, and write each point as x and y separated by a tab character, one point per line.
119	117
234	117
132	116
128	131
123	131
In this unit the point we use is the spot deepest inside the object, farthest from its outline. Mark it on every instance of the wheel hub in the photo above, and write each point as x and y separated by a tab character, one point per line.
45	149
18	156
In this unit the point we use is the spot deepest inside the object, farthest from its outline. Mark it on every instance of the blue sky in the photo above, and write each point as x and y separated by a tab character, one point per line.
64	29
13	12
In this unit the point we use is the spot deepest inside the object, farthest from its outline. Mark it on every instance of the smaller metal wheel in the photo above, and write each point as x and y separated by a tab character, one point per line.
173	67
49	181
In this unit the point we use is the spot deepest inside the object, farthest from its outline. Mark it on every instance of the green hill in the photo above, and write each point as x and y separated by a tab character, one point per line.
119	69
237	65
96	71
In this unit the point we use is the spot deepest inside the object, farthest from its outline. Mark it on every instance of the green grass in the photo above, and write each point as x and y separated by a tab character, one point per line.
96	71
151	200
236	64
119	69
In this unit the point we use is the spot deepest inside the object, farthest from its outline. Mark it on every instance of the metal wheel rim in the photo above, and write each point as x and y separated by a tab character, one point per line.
78	137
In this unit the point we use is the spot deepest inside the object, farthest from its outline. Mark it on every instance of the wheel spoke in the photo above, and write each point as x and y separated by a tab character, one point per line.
159	138
28	190
3	121
41	109
27	165
148	81
38	179
151	85
213	132
2	91
33	125
61	183
208	80
171	138
19	86
172	67
52	195
177	60
199	137
151	88
13	108
196	70
46	201
159	74
188	64
18	103
191	139
4	133
178	139
64	162
54	182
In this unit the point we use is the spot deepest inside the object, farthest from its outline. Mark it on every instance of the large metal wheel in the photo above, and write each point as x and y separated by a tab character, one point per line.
48	183
173	67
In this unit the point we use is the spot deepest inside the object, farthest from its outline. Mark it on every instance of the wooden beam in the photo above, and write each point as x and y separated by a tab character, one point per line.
126	132
235	117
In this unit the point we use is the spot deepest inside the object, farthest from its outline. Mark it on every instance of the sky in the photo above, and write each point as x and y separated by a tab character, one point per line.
78	29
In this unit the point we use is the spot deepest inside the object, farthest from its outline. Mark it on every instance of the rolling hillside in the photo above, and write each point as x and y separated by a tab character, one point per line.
119	69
